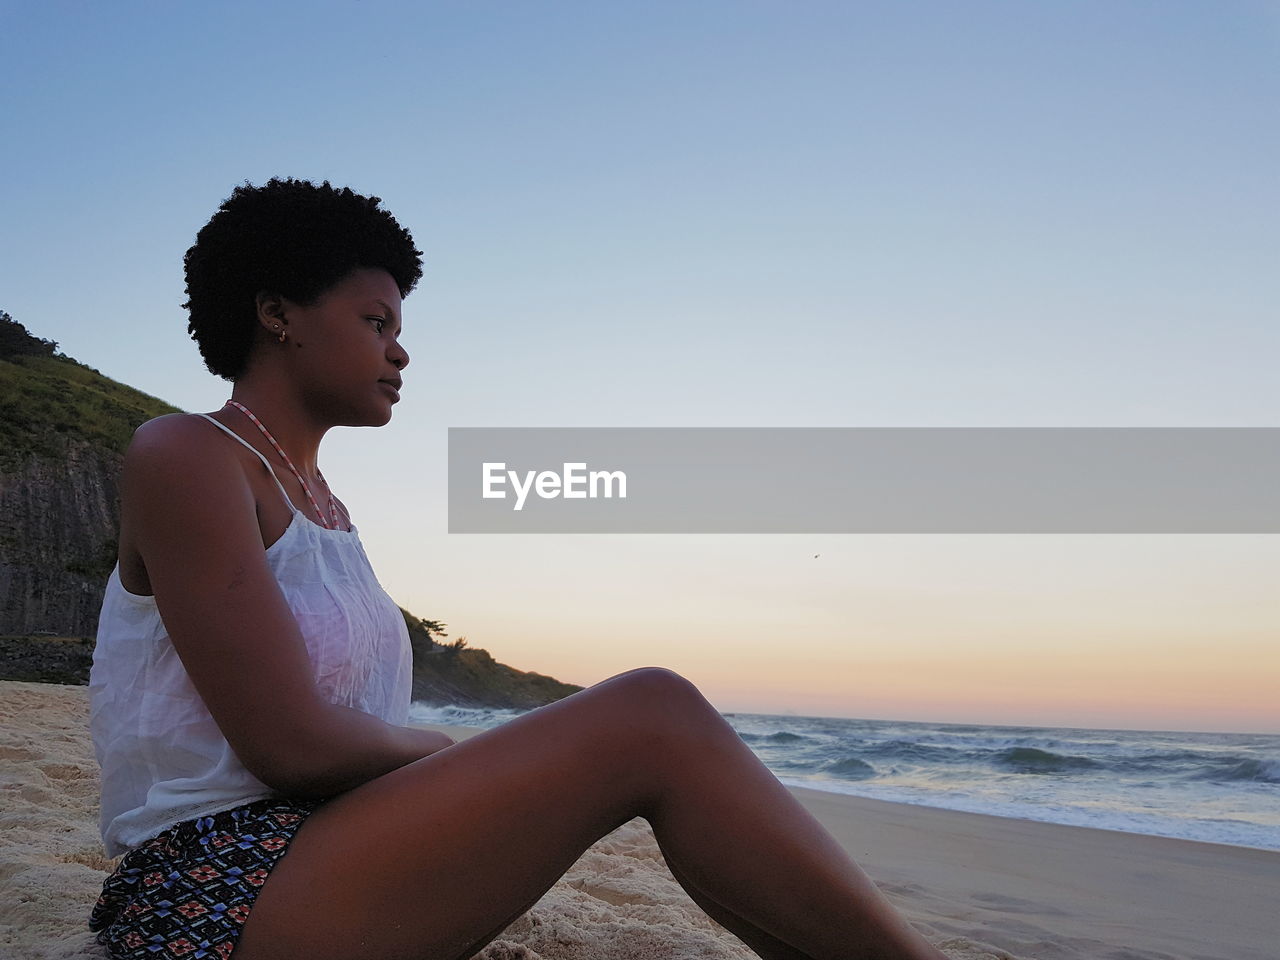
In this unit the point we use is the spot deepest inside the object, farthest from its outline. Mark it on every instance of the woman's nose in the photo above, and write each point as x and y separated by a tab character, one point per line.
399	356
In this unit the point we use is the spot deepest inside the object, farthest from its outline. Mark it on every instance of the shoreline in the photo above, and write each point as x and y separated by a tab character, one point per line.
1050	823
462	732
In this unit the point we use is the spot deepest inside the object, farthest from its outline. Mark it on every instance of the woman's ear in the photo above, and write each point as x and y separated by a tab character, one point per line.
271	314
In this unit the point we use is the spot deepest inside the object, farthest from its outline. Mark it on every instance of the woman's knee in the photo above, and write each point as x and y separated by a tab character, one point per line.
659	685
660	701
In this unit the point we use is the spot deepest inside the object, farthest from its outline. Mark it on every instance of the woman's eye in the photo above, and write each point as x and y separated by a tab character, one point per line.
379	321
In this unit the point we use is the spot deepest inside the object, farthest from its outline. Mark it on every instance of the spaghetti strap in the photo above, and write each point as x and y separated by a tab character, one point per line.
235	436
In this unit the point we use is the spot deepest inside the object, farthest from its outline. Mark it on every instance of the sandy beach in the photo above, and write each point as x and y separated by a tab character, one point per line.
978	886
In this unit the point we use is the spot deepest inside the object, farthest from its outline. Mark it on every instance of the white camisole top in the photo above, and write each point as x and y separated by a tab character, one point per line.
163	758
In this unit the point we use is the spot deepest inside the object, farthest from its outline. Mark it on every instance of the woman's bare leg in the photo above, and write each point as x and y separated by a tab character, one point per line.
819	903
434	860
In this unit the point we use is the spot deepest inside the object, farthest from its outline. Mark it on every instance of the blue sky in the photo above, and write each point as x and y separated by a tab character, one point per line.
719	214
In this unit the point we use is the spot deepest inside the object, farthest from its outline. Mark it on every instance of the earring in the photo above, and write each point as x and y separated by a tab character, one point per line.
283	334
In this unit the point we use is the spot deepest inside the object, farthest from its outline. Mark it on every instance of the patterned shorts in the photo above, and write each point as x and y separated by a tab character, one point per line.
187	892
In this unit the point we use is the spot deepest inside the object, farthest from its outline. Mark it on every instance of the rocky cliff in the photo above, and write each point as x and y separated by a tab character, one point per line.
59	519
64	428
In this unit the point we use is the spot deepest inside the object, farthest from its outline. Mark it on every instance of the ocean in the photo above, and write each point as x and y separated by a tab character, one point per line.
1213	787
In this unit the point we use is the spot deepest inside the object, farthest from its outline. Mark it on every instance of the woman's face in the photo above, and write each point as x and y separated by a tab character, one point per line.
345	348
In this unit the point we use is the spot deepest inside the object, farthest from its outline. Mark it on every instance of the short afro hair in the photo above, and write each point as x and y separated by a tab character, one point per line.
291	238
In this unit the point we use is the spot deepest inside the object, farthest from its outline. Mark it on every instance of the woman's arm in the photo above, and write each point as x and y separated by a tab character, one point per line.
193	520
368	748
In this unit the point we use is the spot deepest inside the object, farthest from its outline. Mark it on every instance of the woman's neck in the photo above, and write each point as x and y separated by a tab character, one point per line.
288	420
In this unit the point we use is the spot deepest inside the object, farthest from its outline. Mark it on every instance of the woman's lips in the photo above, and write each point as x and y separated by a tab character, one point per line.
395	393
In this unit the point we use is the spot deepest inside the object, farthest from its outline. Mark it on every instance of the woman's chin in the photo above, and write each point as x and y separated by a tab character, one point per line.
369	417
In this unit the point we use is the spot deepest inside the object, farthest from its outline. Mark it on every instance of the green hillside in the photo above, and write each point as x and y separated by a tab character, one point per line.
46	397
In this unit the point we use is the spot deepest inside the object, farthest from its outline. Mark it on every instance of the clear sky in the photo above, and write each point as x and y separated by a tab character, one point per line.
728	214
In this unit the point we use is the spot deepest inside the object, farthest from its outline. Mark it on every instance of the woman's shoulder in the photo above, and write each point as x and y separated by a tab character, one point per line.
177	482
177	454
171	429
178	440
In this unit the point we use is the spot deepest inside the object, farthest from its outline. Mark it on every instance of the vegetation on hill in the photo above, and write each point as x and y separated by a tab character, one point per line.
17	341
469	676
46	397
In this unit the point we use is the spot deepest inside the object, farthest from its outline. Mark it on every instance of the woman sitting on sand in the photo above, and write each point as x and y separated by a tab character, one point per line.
251	682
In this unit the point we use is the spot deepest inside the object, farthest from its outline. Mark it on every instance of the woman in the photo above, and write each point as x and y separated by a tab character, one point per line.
250	686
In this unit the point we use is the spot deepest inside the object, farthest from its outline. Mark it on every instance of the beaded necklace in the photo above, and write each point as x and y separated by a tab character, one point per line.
333	510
